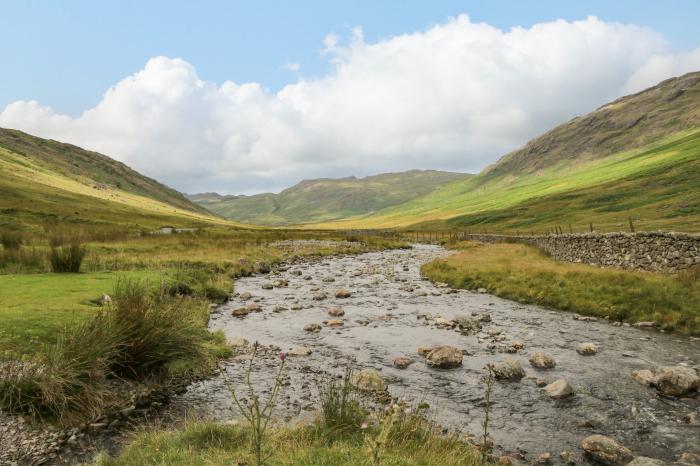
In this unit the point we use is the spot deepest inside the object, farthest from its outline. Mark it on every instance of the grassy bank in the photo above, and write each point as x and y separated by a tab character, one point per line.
212	444
524	274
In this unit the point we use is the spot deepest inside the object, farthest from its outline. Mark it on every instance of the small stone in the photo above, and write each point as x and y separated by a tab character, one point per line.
238	342
403	362
482	290
369	380
267	286
689	458
559	389
606	450
300	351
508	370
343	293
424	350
566	456
517	345
279	309
644	325
312	328
587	349
541	360
319	296
336	312
646	461
245	296
240	312
643	376
334	323
544	458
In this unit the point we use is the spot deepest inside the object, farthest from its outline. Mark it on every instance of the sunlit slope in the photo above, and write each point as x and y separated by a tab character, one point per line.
31	195
665	162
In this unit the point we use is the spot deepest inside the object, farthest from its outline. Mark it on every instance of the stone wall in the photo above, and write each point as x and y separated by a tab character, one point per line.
660	251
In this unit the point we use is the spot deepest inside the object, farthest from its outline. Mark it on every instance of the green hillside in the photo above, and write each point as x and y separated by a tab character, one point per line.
327	199
599	168
44	183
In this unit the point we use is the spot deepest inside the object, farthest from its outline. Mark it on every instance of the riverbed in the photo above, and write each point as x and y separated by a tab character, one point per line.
381	322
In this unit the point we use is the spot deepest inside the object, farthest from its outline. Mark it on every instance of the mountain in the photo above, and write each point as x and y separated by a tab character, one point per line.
44	181
327	199
637	157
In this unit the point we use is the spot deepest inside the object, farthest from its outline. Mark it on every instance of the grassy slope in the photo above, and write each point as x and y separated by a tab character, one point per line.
89	168
328	199
669	167
522	273
32	194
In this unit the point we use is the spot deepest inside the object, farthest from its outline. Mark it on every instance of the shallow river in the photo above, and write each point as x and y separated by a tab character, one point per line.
524	420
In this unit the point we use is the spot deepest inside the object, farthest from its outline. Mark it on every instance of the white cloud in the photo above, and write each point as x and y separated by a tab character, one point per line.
292	66
455	96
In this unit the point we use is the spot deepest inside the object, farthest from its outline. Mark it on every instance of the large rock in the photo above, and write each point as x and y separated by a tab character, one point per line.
444	357
343	293
508	370
677	380
587	349
646	461
542	361
369	380
559	389
606	450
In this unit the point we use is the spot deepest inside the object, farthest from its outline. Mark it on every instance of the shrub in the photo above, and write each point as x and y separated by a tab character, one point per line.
22	260
11	240
67	259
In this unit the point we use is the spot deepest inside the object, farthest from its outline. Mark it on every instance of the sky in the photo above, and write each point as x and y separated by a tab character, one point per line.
245	97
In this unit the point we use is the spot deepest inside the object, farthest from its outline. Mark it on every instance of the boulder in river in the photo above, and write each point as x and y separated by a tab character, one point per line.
606	450
343	293
245	296
587	349
677	380
542	360
312	328
444	357
508	370
336	312
559	389
261	267
267	286
369	380
403	362
241	311
646	461
424	350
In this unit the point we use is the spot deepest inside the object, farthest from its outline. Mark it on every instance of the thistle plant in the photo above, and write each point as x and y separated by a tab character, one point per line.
486	442
257	413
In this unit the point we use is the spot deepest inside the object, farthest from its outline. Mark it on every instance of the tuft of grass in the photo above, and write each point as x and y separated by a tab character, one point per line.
524	274
341	411
11	240
67	259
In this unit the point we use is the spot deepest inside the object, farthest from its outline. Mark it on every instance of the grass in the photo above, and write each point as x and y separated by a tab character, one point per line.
655	184
524	274
205	443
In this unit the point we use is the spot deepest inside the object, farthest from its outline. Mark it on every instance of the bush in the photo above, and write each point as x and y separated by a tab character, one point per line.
22	260
11	240
67	259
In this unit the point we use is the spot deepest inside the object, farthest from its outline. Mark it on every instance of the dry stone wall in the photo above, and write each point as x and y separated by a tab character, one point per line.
659	251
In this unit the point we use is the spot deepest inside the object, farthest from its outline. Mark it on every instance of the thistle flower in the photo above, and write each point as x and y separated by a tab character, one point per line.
283	355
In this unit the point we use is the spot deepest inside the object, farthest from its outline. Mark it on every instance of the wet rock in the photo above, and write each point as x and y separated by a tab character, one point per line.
240	312
587	349
544	458
444	357
280	283
319	296
566	456
515	346
369	380
677	381
559	389
692	418
508	370
444	323
312	328
261	267
267	286
343	293
403	362
334	323
646	461
245	296
424	350
296	307
585	318
296	272
542	360
644	325
424	316
300	351
606	450
643	376
336	312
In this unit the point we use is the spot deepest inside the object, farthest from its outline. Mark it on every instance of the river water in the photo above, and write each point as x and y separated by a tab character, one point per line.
381	323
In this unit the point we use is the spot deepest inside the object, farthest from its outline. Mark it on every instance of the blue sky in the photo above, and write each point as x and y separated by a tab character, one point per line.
201	95
67	53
